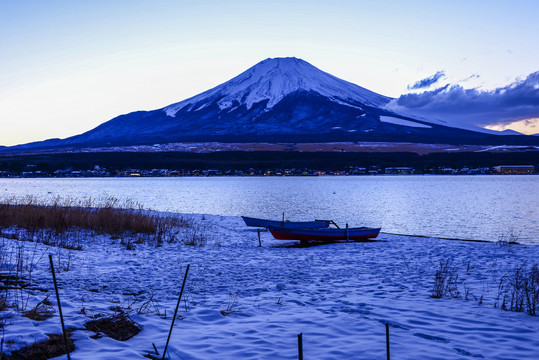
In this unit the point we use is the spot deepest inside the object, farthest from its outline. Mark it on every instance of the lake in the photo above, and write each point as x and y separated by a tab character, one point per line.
474	207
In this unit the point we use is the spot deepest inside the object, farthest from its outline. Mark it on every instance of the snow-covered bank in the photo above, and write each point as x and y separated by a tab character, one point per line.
339	296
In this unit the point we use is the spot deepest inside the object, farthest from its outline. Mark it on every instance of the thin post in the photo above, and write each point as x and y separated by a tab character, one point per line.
387	341
300	346
259	242
175	312
59	307
347	233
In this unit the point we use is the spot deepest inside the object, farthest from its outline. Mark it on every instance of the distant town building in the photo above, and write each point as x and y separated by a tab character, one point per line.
515	169
399	170
448	171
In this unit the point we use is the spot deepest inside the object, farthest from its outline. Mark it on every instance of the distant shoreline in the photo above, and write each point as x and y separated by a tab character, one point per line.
132	176
105	164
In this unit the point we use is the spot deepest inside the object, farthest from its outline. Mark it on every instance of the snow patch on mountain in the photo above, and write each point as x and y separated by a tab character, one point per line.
273	79
440	119
398	121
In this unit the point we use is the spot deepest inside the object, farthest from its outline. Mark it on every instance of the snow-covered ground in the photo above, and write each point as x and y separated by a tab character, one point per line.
419	148
338	295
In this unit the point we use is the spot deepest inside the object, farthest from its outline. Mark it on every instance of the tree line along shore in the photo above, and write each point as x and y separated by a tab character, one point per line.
238	163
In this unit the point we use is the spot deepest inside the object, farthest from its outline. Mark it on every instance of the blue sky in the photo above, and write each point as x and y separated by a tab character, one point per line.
68	66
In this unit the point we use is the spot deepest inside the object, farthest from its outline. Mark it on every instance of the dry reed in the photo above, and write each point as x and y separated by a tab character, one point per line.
60	216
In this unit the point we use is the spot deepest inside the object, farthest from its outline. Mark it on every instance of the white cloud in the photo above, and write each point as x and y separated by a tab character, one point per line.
502	106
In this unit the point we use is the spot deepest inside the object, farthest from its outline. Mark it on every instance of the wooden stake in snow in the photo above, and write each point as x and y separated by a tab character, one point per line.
259	242
175	312
300	346
387	340
59	307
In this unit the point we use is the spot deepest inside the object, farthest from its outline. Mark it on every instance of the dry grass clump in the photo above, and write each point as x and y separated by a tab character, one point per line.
446	281
232	307
195	237
17	264
42	311
519	291
3	300
509	238
118	326
53	347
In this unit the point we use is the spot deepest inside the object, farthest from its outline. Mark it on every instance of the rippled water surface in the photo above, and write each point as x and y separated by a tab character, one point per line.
466	207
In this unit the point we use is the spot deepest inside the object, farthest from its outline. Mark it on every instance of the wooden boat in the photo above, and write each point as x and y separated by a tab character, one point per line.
316	224
358	233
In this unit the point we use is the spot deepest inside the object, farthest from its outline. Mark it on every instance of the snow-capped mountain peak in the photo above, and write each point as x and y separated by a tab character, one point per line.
279	100
273	79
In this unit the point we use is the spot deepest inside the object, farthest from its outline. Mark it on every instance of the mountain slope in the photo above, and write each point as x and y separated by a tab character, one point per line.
277	100
273	79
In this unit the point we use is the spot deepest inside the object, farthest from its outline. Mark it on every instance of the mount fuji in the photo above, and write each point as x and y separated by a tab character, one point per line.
276	100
